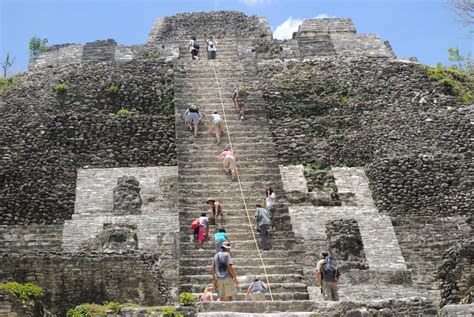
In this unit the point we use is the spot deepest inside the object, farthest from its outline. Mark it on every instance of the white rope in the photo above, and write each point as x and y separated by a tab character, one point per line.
240	184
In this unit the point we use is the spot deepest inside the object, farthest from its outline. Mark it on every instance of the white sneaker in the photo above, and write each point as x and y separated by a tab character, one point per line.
242	118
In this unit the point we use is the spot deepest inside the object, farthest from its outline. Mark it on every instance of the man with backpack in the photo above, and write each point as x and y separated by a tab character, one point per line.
239	98
262	222
327	276
223	274
194	48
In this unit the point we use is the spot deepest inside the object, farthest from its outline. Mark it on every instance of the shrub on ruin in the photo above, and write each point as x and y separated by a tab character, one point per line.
79	311
124	112
61	88
37	45
113	306
170	311
7	84
186	299
27	292
112	90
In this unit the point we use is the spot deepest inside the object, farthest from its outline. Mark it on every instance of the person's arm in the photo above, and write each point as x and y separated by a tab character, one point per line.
212	297
221	156
232	273
318	277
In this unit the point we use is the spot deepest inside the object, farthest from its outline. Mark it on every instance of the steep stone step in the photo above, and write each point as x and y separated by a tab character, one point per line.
276	288
278	278
245	269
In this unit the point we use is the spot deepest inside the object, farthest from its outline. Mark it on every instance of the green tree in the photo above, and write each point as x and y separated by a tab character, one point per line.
37	45
7	64
463	63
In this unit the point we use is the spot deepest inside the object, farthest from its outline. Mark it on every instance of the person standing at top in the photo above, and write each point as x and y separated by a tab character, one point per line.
192	117
216	209
223	274
228	161
193	48
217	125
211	48
270	203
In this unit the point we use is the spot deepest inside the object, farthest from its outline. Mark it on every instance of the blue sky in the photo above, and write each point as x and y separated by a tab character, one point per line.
421	28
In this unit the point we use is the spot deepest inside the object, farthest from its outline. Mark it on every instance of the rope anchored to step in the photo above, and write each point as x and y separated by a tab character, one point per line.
240	184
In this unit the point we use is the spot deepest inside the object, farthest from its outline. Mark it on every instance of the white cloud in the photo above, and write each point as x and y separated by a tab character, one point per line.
253	3
323	16
285	30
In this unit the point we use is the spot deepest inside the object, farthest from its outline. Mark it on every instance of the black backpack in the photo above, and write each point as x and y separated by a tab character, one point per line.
196	46
330	270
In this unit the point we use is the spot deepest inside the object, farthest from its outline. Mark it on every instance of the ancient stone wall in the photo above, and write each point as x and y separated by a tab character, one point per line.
456	273
30	238
10	306
104	51
330	37
73	279
217	23
356	111
47	134
423	185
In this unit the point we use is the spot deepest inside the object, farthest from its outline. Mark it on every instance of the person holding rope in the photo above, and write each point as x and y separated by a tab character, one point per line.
228	161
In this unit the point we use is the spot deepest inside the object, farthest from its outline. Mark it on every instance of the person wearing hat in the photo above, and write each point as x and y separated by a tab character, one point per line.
192	117
216	209
223	274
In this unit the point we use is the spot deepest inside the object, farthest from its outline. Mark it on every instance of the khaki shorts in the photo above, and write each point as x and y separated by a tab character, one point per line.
226	287
257	297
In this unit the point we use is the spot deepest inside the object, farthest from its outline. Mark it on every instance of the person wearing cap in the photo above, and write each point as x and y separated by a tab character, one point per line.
192	117
216	209
223	274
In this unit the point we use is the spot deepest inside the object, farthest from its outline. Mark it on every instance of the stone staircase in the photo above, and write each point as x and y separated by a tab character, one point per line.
200	175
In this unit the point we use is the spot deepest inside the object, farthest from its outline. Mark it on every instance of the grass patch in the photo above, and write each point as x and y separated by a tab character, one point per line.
455	81
7	84
124	112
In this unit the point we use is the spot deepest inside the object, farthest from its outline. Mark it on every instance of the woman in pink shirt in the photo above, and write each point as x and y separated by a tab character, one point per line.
229	161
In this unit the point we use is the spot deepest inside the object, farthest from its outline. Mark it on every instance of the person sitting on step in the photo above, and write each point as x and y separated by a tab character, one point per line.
228	161
208	294
217	125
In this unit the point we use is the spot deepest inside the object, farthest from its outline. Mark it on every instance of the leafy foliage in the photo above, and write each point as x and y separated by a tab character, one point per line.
124	112
170	311
61	88
25	292
37	45
7	84
186	299
112	90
